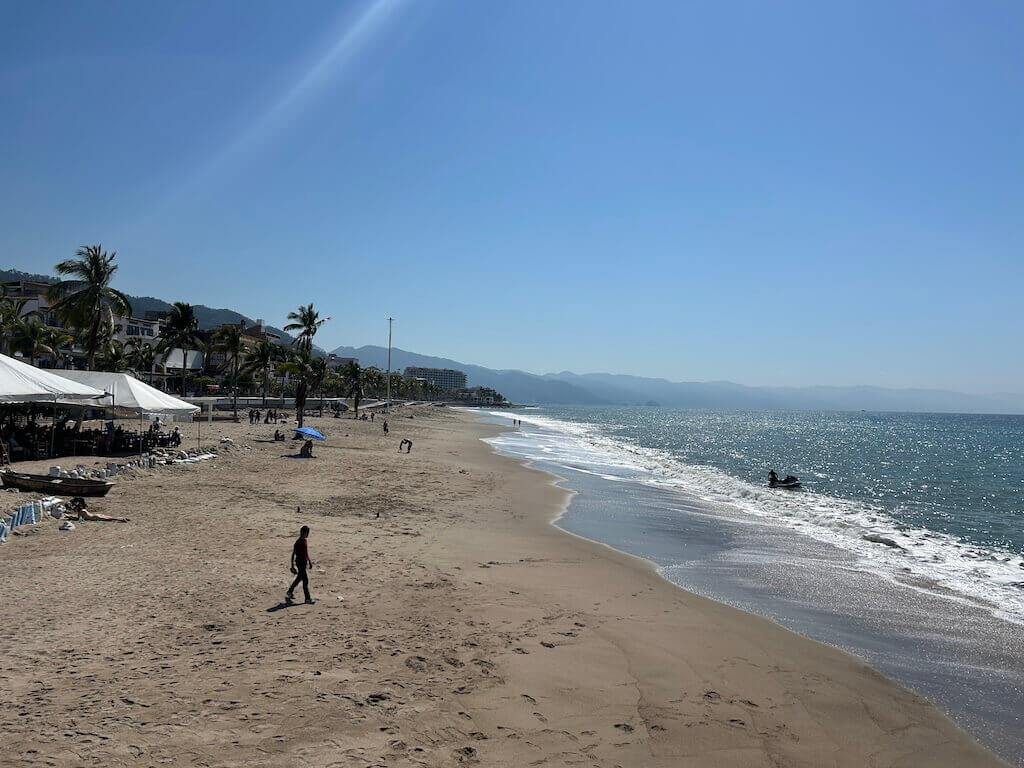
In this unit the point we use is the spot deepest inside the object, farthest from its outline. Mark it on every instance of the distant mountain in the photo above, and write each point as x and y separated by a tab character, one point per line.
208	317
519	386
567	388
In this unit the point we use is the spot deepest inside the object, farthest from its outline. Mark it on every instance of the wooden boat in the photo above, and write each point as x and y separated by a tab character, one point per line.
55	486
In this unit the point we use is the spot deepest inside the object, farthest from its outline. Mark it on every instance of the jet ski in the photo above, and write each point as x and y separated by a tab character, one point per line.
789	481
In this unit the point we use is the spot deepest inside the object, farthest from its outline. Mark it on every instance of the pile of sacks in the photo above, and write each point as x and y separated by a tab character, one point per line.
145	461
29	513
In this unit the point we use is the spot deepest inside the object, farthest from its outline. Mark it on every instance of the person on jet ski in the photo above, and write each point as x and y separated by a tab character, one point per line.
772	477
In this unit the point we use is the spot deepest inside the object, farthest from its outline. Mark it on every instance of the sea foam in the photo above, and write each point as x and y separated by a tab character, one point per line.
914	557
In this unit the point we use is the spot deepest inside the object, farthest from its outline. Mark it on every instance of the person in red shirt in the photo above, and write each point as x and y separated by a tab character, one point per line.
300	561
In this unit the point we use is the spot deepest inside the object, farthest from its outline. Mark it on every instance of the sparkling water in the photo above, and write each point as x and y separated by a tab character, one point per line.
905	543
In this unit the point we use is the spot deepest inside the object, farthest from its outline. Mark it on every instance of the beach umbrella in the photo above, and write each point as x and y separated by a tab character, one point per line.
309	432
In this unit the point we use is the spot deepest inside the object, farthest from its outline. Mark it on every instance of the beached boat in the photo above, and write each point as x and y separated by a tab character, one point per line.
55	486
789	482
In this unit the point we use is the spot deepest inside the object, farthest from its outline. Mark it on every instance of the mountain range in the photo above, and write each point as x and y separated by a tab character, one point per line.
568	388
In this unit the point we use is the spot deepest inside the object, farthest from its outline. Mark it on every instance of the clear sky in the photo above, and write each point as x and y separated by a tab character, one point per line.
771	193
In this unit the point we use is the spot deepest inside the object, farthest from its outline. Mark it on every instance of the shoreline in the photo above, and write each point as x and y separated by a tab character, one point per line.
969	668
460	626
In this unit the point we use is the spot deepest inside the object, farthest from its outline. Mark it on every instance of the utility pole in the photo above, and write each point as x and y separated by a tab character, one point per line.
387	407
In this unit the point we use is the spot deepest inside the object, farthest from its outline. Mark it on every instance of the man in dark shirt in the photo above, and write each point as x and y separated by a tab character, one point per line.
300	561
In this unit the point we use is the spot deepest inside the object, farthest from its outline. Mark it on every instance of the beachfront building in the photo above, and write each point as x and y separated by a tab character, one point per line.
34	293
138	331
480	396
260	331
447	379
336	362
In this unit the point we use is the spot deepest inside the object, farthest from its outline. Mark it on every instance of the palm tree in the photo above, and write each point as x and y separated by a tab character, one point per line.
301	367
142	358
115	358
262	355
33	339
318	374
59	339
86	301
10	318
233	343
373	382
353	377
307	322
180	332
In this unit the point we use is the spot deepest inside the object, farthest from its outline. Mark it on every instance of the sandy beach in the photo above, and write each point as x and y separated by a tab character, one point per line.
453	625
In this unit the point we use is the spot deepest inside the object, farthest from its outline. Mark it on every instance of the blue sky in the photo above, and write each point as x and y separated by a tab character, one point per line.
771	193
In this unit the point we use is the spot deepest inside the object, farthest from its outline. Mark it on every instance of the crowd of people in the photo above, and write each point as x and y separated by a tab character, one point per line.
30	441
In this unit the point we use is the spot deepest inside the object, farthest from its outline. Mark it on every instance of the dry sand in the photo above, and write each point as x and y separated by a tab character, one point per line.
459	627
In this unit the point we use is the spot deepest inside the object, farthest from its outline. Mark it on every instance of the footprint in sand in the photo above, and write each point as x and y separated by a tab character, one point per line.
464	754
529	698
626	727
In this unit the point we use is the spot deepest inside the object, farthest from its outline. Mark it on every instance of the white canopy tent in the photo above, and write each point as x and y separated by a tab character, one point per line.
24	383
131	394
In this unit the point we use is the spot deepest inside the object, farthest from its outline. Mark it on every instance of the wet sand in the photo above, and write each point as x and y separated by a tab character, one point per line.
458	627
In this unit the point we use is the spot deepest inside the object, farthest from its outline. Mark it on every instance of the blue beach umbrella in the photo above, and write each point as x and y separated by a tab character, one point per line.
309	432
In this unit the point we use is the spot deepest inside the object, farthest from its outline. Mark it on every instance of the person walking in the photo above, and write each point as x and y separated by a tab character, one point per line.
300	562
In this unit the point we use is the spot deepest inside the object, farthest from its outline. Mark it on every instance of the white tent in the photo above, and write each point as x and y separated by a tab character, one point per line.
131	394
24	383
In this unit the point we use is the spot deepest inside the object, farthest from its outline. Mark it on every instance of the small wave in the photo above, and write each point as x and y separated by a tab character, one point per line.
917	558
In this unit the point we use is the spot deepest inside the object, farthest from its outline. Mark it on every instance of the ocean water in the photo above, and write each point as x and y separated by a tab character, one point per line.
905	545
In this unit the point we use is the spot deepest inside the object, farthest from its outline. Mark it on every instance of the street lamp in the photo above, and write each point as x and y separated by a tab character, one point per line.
387	406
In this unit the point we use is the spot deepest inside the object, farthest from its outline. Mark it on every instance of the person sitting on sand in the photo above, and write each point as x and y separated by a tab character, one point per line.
307	450
79	510
175	439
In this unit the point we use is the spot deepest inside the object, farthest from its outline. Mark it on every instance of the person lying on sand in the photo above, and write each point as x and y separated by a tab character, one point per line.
79	510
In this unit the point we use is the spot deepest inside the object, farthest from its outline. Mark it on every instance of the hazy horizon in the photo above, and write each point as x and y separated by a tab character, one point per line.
849	384
783	195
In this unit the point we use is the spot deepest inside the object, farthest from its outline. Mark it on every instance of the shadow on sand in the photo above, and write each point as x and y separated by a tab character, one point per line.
282	605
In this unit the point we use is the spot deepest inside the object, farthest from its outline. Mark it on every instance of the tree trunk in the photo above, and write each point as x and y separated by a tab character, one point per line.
234	388
183	360
300	400
265	373
93	337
